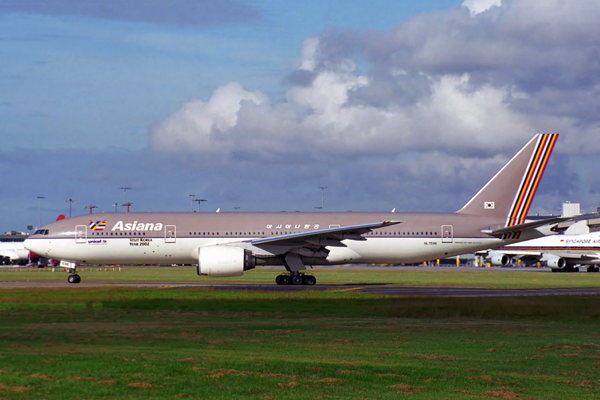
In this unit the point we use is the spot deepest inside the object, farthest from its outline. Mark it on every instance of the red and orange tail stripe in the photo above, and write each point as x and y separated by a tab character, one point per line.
531	179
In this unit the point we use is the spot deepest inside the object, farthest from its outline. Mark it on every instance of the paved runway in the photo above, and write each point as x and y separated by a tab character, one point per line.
391	290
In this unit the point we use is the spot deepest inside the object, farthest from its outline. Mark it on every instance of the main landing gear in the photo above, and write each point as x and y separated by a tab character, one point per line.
295	279
74	278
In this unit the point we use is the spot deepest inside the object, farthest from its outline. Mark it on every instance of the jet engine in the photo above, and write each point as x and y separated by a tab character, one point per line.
556	262
224	261
498	259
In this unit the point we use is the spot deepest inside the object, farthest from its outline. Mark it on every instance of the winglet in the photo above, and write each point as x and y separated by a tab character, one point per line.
514	231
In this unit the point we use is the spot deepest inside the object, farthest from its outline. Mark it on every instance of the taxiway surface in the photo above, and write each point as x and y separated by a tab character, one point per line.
391	290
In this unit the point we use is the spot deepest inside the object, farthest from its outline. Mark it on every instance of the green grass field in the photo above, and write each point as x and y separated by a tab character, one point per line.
492	277
116	343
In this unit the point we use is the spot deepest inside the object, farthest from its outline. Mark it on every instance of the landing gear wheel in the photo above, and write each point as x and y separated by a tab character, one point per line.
297	280
309	280
74	278
283	279
593	268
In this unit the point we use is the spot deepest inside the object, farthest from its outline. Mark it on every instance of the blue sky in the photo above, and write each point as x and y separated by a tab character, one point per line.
410	105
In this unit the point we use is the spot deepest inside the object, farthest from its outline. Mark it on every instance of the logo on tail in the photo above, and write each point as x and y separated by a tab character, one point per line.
531	179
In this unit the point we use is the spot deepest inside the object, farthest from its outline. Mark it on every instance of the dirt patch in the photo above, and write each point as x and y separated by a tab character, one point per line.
14	389
329	381
508	395
464	391
571	373
220	373
439	357
78	378
403	387
41	376
392	376
142	385
49	360
486	378
581	384
344	341
288	385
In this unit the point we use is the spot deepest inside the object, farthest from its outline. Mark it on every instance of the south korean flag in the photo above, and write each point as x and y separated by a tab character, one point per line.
489	205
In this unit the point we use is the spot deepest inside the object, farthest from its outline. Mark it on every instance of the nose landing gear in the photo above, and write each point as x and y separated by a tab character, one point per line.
71	268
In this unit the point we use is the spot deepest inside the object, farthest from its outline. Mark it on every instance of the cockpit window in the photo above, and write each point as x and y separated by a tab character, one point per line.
41	232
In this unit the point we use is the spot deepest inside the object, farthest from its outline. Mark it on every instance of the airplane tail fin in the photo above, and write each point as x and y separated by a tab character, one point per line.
510	192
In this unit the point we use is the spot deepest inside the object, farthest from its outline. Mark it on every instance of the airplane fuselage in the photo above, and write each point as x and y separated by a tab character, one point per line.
174	238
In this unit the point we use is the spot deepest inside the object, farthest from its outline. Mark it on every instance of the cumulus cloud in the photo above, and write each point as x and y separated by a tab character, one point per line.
479	6
463	80
326	117
436	96
173	12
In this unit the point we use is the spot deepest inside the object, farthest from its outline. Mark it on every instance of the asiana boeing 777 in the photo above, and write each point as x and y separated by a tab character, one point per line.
228	244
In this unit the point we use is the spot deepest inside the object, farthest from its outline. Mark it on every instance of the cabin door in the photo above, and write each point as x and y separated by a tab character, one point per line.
81	234
447	234
170	233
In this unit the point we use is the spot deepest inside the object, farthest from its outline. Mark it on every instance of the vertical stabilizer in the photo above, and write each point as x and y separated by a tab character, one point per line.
510	193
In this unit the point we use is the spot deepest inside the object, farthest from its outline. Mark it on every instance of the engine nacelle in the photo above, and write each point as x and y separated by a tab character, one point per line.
498	259
556	262
224	261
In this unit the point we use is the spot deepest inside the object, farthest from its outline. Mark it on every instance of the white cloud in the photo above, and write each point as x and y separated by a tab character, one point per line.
479	6
308	54
321	120
199	125
442	100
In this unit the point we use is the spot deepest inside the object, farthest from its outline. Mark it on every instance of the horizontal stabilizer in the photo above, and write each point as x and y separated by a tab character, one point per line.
513	232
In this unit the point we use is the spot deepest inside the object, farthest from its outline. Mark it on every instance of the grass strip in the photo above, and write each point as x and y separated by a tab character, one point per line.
484	277
114	343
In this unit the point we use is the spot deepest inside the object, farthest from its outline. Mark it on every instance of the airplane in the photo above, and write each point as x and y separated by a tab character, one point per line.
562	253
12	249
228	244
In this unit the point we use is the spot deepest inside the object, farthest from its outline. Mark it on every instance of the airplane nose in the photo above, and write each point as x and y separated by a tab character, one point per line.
37	246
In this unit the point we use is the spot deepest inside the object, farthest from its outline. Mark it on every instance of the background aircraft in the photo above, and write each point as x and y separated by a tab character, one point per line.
12	250
562	253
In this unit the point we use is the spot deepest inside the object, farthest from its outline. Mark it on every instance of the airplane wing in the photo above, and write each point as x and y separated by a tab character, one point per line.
323	237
